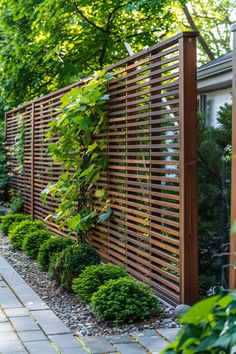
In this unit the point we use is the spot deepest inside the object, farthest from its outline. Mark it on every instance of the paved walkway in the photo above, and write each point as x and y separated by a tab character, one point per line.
27	325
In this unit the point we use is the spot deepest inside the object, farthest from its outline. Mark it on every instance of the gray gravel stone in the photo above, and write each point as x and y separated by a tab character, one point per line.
77	316
181	309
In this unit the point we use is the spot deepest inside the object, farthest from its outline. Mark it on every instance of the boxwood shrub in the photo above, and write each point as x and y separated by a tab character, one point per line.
53	245
9	220
125	300
33	241
69	264
23	229
93	277
209	327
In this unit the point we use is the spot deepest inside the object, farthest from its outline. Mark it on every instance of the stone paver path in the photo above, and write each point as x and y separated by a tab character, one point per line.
27	325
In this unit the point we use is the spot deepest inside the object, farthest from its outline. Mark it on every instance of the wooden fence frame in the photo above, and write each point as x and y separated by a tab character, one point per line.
232	282
187	91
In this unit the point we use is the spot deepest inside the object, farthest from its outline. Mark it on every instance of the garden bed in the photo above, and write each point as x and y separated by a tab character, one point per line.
79	317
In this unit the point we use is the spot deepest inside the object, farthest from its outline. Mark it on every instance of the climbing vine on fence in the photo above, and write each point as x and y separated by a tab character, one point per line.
81	152
17	149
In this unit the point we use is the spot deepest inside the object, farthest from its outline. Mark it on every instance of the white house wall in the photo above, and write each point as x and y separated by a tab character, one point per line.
215	100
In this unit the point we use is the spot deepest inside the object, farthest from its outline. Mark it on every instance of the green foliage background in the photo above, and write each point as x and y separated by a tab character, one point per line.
214	185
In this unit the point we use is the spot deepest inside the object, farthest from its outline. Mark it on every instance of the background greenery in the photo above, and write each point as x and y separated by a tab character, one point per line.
47	44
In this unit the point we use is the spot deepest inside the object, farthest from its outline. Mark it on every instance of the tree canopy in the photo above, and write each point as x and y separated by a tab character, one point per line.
47	44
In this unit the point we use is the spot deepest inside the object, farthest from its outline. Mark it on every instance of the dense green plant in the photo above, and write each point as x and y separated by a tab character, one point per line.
54	244
214	169
77	38
15	202
80	152
21	230
33	241
3	167
125	300
68	265
93	277
209	327
8	220
17	149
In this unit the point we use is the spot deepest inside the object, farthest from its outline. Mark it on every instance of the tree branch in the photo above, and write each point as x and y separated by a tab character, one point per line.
194	27
87	19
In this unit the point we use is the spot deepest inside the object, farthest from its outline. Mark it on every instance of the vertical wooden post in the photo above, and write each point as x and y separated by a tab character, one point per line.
233	171
188	168
32	158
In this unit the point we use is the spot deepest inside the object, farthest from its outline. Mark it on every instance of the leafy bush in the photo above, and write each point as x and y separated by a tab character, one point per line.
15	202
69	264
33	241
209	327
125	300
23	229
53	245
10	219
93	277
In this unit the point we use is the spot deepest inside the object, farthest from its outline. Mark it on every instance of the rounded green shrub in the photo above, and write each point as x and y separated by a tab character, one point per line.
33	241
23	229
69	264
9	220
93	277
125	300
53	245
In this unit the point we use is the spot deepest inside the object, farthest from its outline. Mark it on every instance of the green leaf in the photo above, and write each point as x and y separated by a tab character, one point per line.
100	193
199	311
104	216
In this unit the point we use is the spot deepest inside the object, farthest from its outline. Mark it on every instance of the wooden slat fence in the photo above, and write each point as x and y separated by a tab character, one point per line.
233	171
151	178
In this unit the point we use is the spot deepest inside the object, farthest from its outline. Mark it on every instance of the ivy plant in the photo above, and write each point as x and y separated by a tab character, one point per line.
80	149
17	149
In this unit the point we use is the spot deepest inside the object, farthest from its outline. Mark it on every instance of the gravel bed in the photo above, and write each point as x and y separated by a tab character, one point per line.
78	317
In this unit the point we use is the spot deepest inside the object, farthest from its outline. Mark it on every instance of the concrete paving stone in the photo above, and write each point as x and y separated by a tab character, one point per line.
21	352
151	340
11	346
130	348
2	317
168	333
49	322
40	347
2	284
28	297
5	327
8	336
16	312
74	351
98	345
119	339
66	341
8	299
31	336
24	324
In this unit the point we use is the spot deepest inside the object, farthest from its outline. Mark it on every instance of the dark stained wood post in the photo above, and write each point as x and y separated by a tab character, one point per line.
233	172
32	157
188	168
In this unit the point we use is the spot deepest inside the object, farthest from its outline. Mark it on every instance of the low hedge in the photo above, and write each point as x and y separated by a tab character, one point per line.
125	300
93	277
9	220
54	244
23	229
69	264
33	241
